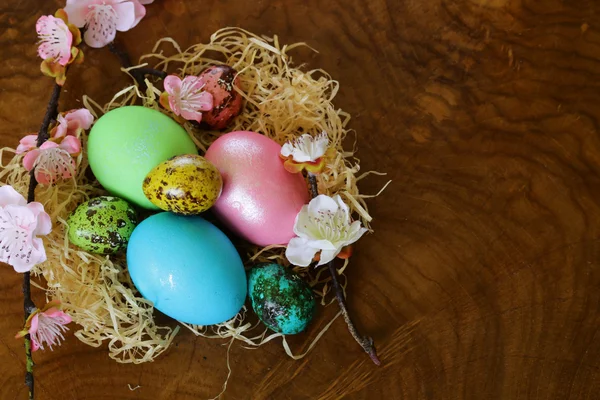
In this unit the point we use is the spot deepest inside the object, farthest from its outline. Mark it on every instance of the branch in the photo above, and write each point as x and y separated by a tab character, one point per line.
366	342
314	188
28	305
138	73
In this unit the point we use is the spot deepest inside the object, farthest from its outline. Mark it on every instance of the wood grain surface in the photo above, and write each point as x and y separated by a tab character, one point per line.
482	279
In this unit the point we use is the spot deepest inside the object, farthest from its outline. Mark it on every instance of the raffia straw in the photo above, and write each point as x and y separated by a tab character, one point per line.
281	102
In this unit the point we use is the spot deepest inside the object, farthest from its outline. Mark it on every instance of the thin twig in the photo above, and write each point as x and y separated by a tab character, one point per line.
151	71
137	73
28	304
314	188
366	342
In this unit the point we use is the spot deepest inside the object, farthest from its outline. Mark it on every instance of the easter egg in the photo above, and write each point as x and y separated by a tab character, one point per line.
127	142
260	199
102	225
188	268
280	298
227	103
186	184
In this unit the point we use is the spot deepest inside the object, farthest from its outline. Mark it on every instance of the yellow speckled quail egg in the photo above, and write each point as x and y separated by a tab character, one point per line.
186	184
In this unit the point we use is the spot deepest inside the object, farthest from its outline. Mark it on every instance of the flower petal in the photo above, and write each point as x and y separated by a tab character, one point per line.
29	159
8	195
322	203
101	27
287	149
34	322
172	84
61	129
328	255
29	142
343	206
139	10
80	118
28	258
71	144
191	115
302	222
77	11
322	244
299	253
355	233
59	316
126	18
44	223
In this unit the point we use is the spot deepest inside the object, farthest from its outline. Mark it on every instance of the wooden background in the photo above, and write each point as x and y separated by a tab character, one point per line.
482	280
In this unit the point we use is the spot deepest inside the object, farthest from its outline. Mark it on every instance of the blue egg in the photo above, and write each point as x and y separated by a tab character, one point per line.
188	268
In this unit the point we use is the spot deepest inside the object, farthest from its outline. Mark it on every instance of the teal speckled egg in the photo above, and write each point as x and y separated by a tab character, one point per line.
102	225
280	298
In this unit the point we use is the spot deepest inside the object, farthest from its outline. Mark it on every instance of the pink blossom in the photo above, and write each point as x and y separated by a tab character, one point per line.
29	142
55	39
46	326
103	18
72	123
52	160
20	224
186	97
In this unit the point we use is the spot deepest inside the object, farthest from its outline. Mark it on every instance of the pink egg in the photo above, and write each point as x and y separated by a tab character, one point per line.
260	199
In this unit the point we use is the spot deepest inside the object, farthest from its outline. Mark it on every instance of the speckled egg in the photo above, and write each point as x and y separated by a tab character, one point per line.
102	225
280	298
220	82
187	184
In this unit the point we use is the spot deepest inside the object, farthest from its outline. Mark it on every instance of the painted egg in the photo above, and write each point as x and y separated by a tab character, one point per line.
185	184
280	298
220	81
126	143
188	268
102	225
260	199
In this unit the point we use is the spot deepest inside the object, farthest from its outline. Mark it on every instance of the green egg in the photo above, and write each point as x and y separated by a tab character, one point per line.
102	225
280	298
127	142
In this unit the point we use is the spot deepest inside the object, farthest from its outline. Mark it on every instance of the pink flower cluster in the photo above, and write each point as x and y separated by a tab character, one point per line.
54	158
103	18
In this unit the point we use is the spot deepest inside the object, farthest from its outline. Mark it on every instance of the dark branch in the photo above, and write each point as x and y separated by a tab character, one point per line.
28	305
365	342
314	189
138	73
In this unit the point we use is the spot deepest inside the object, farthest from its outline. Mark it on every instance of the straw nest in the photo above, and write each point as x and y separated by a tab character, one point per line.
282	102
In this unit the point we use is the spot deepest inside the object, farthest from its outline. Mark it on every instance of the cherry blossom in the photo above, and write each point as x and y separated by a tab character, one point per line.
186	97
103	18
46	326
307	152
20	224
52	160
324	225
72	123
55	39
58	45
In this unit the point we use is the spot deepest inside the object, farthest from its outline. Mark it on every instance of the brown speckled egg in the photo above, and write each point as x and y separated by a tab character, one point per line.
220	81
187	184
